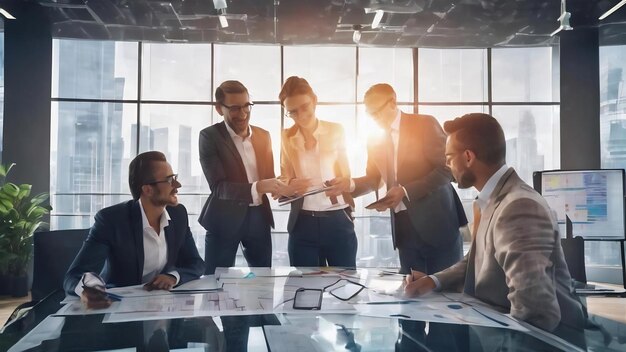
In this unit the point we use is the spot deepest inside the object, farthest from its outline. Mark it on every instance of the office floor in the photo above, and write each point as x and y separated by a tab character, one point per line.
613	308
8	304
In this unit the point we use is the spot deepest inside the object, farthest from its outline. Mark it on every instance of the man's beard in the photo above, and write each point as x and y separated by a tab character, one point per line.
467	180
161	201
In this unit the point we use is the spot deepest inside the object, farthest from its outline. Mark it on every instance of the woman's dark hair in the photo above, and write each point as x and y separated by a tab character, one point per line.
295	85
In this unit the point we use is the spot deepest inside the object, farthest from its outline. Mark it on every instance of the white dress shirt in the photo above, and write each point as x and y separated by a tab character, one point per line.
318	169
246	152
395	137
154	247
154	252
482	200
489	187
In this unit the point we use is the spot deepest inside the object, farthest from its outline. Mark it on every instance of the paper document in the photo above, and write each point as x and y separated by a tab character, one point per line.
432	308
136	291
288	200
49	329
206	283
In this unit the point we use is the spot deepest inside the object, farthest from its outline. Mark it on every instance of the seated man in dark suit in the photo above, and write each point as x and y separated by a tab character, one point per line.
143	241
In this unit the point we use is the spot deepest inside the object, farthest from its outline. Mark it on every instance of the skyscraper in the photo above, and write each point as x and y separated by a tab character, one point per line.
90	143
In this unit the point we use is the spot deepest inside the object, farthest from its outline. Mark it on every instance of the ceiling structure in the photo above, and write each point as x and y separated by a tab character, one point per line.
404	23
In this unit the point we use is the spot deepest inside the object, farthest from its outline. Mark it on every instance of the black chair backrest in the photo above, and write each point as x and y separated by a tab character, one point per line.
574	252
54	251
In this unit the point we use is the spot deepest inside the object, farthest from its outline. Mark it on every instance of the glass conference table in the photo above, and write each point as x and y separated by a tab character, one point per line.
282	330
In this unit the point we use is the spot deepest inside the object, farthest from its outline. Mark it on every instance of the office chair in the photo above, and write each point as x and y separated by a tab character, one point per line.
574	253
54	251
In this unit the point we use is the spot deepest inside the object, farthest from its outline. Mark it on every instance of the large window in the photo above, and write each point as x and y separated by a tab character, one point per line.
602	255
112	100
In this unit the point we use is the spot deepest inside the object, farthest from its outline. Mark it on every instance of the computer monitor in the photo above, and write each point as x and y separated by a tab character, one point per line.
592	199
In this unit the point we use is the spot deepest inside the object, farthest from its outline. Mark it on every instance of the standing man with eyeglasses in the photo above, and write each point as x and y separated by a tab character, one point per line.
426	212
143	241
238	164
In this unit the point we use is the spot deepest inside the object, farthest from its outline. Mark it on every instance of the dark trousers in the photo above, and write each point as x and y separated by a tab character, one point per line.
323	238
418	255
254	235
237	329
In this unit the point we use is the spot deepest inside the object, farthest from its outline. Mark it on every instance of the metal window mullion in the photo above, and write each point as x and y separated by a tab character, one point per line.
282	81
415	80
212	78
139	77
489	85
356	87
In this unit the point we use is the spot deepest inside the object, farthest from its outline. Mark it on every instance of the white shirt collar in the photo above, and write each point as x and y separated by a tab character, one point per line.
316	132
165	218
490	186
233	134
395	125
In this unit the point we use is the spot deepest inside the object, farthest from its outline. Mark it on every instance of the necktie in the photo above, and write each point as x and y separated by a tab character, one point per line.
470	272
477	214
390	153
391	180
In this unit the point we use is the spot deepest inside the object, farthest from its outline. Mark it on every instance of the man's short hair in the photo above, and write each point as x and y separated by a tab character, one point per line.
229	87
381	89
295	85
141	171
480	133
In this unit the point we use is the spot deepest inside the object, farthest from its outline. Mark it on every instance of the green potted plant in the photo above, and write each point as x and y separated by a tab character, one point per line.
20	216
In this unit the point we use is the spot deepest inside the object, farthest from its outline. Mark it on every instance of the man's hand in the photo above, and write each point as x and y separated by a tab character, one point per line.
340	185
418	284
413	276
271	186
391	199
296	186
161	282
94	298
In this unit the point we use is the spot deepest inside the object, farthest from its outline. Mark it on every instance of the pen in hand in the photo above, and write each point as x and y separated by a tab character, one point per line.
409	277
102	294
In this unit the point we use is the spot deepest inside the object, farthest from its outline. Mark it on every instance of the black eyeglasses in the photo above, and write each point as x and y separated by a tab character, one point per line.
295	112
377	111
169	179
233	109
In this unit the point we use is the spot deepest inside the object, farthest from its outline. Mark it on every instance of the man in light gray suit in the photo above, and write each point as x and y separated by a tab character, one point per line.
515	261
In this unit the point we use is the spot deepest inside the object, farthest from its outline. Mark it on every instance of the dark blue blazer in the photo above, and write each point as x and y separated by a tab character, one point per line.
227	206
114	247
433	206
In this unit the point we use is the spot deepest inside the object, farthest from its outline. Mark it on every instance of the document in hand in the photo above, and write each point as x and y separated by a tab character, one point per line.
288	200
206	283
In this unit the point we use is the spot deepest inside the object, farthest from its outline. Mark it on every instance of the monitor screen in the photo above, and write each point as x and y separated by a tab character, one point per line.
592	199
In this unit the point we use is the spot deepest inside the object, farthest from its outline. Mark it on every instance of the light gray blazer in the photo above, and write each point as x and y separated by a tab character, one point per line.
517	261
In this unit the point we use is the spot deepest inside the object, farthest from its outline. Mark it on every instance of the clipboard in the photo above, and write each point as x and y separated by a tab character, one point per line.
288	200
374	205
